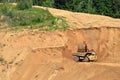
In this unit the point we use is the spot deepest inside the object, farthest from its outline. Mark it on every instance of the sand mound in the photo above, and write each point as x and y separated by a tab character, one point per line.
82	20
37	55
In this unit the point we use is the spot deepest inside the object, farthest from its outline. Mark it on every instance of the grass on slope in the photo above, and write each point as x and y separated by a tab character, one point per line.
30	18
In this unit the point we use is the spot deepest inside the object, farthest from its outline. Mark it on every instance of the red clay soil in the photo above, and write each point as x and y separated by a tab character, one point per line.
36	55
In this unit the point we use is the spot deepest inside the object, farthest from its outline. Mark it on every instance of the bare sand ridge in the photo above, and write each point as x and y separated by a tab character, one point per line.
37	55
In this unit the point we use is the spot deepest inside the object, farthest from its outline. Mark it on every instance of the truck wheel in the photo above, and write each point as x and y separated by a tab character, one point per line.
76	58
86	59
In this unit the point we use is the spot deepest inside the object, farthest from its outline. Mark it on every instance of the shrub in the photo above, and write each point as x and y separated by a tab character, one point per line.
1	59
11	62
4	8
24	4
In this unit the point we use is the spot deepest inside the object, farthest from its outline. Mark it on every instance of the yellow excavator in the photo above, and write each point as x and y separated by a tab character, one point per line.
85	55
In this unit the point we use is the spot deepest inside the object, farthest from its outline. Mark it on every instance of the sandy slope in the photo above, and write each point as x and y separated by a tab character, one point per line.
82	20
48	55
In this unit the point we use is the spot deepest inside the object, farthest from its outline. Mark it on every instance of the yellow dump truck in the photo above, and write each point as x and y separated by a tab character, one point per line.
83	55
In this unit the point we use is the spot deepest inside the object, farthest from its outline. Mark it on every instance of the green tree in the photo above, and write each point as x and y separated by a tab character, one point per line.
103	7
24	4
48	3
37	2
60	4
90	8
116	8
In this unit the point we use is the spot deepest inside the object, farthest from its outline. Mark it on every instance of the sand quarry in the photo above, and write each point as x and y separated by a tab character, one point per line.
41	55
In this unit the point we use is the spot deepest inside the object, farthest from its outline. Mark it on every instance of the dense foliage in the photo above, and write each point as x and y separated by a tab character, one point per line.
24	4
102	7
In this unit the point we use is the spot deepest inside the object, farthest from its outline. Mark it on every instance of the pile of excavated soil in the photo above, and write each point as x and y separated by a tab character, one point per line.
37	55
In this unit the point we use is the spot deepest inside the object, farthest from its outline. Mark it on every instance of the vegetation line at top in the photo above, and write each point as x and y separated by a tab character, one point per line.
102	7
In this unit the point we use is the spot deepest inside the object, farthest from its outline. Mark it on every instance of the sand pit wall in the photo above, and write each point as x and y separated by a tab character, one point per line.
52	51
105	42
